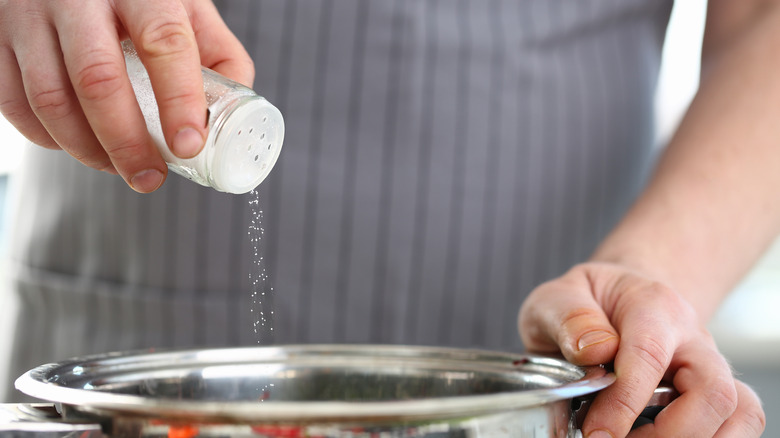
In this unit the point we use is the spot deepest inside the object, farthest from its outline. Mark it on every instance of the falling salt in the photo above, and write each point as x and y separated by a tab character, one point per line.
262	291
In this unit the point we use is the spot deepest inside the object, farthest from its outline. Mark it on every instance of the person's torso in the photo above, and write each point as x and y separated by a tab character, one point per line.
441	159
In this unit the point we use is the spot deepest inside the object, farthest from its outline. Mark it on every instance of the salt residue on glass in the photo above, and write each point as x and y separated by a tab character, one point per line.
262	291
245	131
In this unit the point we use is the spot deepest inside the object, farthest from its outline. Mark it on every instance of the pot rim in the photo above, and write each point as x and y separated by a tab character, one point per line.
56	382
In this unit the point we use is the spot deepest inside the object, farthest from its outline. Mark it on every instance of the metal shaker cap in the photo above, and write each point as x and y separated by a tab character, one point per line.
247	141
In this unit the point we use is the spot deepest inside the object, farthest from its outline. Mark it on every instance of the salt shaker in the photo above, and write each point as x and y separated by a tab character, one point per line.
245	131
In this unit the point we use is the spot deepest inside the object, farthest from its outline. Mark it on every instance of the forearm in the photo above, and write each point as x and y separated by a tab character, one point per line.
712	206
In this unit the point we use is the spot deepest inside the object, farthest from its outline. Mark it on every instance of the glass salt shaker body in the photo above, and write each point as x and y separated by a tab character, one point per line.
245	131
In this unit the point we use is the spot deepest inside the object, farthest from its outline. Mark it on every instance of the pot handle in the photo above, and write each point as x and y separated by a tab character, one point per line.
662	396
42	419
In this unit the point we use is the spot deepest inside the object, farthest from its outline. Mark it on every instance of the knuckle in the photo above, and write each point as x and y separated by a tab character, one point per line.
99	79
652	353
14	109
756	420
51	103
666	294
126	149
752	411
660	290
165	36
18	14
176	100
656	294
578	314
722	398
619	401
18	113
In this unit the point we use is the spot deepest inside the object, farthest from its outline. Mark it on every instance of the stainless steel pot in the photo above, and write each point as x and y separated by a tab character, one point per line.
308	391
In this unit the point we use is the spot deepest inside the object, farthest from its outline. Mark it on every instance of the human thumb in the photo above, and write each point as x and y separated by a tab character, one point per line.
562	315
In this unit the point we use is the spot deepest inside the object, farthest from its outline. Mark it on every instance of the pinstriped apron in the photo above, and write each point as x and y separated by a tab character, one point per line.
441	159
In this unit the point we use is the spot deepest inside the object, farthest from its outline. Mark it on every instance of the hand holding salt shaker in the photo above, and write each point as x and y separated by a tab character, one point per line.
245	131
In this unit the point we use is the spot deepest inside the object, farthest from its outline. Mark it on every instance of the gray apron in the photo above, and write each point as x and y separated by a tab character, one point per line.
442	158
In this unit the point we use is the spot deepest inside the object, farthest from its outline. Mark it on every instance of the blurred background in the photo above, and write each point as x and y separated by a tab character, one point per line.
747	327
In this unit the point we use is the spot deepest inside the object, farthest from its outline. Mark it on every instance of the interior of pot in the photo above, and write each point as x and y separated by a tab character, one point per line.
360	380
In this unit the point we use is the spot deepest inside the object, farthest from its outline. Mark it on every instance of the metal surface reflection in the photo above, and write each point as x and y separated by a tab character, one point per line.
319	390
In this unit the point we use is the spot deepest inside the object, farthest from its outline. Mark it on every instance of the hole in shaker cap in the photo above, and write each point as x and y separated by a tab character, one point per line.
257	157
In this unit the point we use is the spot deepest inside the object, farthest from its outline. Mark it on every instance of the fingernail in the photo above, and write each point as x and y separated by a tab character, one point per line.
593	338
187	143
146	181
600	434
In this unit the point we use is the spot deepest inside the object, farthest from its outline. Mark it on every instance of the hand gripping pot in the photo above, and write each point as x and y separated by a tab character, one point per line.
245	131
326	391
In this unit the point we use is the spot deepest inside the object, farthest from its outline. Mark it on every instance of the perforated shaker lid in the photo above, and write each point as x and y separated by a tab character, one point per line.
247	144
